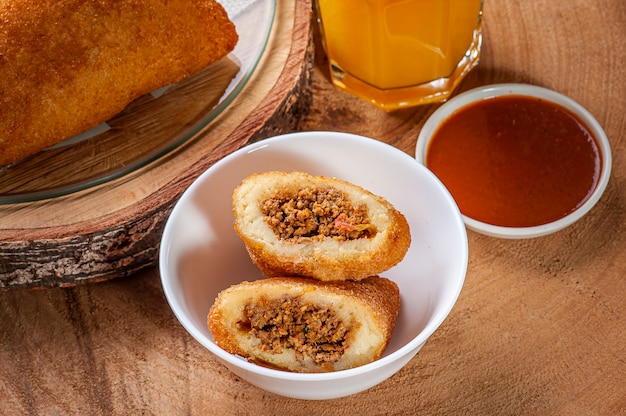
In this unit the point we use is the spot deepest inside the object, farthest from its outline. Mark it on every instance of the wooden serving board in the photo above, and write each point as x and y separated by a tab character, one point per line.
114	229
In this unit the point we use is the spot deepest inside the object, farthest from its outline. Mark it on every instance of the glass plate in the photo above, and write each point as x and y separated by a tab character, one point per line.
151	126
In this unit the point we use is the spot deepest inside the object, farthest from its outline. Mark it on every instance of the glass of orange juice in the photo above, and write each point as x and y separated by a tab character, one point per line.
400	53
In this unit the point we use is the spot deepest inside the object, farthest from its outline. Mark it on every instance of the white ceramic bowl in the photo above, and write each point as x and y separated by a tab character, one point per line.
201	254
490	91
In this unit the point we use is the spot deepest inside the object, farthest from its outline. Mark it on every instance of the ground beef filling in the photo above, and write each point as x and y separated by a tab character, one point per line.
288	323
316	213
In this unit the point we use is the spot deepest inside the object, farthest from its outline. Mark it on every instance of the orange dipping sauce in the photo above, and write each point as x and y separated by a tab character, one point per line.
515	161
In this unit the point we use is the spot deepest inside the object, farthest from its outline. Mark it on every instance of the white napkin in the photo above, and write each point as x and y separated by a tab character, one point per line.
235	7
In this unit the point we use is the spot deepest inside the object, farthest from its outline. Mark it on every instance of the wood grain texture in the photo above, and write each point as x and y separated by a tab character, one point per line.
114	230
539	328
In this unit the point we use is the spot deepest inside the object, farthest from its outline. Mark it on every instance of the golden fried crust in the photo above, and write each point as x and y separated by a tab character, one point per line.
327	259
68	65
369	308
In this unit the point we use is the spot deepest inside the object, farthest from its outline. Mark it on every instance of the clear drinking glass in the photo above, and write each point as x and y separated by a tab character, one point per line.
400	53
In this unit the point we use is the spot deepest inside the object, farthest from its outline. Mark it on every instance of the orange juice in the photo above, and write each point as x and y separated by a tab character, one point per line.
399	53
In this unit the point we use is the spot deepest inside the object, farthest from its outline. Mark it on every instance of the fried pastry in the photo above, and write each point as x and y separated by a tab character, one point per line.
296	224
69	65
305	325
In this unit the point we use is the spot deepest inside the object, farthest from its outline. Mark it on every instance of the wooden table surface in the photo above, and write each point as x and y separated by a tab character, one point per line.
539	328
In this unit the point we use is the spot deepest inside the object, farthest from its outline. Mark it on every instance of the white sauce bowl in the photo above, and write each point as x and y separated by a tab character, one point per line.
482	93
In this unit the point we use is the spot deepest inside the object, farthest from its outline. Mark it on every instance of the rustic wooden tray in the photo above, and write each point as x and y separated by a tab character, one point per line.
112	227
